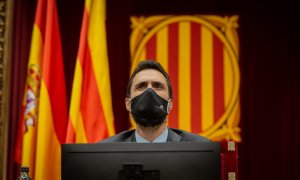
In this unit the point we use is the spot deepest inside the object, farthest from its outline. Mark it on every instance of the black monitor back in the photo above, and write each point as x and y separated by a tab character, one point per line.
163	161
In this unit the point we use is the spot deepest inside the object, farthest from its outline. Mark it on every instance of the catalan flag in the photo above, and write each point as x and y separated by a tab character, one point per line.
91	116
201	55
45	116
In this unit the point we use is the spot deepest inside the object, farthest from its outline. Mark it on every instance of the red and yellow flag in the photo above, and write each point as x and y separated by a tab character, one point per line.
45	114
91	115
201	55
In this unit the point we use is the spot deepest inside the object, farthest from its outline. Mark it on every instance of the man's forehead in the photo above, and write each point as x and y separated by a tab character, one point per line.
149	75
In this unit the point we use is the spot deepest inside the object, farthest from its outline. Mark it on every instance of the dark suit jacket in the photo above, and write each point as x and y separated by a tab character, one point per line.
174	135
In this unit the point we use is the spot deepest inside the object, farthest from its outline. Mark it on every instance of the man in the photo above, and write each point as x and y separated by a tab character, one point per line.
149	101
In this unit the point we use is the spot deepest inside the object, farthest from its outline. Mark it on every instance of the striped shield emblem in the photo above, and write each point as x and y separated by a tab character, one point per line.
200	53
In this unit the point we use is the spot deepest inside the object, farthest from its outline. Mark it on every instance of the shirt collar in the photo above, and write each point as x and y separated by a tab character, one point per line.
160	139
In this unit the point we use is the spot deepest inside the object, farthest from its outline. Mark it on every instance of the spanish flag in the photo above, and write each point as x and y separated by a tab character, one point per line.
91	115
45	94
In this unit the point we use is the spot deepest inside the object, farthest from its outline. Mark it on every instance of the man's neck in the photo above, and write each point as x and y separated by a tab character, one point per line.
151	133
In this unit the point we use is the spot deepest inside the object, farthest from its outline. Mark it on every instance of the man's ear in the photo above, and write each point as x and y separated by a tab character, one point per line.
170	105
128	104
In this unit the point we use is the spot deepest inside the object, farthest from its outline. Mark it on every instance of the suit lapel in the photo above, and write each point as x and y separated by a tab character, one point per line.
173	137
131	138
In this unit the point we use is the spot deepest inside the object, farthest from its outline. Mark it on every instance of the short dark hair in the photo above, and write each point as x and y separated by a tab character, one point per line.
149	64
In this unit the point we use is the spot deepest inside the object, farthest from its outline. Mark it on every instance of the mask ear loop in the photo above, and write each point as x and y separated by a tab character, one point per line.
168	106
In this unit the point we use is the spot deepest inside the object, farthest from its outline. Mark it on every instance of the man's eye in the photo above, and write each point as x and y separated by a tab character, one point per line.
158	86
140	87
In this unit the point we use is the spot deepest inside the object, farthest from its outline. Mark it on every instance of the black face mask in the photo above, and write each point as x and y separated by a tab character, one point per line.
149	109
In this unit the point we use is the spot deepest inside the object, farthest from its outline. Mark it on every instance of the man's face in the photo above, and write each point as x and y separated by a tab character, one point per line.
148	78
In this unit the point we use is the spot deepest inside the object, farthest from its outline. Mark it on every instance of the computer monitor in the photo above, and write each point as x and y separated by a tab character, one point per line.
142	161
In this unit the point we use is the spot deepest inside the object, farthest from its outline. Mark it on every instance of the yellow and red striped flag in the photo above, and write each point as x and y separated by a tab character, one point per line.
91	115
200	54
45	115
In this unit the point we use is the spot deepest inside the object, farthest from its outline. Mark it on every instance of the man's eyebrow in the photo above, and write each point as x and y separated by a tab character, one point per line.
157	82
140	84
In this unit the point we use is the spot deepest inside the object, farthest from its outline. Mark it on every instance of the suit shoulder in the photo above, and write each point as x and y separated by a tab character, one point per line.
187	136
121	137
